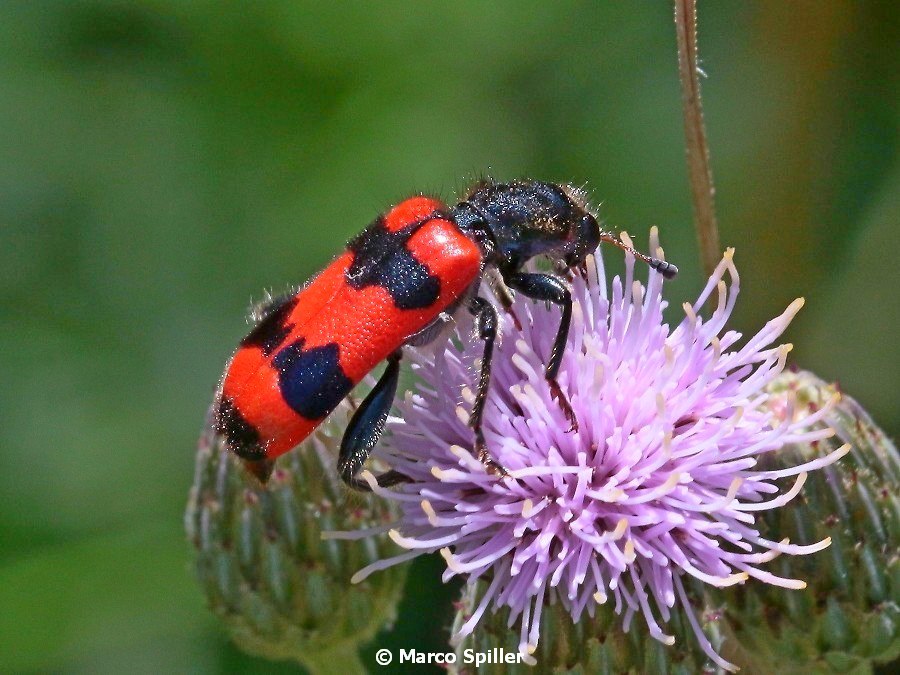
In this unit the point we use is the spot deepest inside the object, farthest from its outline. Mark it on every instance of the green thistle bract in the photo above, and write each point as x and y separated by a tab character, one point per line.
283	592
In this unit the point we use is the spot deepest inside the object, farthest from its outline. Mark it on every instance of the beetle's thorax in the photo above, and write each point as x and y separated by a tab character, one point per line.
519	220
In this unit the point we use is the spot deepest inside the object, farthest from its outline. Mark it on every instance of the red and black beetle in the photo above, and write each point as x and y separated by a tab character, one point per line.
395	284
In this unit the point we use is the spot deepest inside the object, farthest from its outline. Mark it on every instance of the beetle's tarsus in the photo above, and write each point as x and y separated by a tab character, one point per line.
560	397
384	480
491	465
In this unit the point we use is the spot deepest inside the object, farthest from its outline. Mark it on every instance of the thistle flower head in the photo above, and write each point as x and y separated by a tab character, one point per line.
658	483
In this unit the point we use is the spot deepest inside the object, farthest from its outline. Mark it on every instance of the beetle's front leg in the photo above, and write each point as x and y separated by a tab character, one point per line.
549	288
366	427
486	325
501	291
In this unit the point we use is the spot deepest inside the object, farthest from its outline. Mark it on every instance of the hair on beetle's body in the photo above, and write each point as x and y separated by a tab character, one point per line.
396	284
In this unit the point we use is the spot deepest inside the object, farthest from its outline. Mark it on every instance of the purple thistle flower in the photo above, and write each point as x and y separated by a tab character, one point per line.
658	483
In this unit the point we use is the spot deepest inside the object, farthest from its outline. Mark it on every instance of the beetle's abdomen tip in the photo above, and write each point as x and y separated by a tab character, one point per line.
260	468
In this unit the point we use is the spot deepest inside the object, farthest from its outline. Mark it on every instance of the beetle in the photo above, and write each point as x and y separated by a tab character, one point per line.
396	284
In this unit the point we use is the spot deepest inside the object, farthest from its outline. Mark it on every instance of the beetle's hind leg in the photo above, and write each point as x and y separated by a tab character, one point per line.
549	288
366	427
486	325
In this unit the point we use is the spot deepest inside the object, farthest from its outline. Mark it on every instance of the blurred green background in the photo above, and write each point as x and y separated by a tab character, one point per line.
163	162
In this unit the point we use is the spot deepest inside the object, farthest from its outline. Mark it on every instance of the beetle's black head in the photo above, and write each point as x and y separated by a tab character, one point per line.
529	218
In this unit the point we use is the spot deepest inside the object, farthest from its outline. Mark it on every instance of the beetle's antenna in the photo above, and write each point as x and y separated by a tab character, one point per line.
667	269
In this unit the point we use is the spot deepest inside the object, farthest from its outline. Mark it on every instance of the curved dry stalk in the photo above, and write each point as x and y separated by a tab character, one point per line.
700	174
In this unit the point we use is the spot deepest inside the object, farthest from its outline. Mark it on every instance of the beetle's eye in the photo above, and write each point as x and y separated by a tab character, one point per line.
590	233
587	238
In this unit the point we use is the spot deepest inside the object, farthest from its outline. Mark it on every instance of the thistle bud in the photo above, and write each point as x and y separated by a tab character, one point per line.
282	590
847	618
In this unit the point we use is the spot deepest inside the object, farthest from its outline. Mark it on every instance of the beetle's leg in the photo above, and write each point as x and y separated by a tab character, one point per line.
501	291
365	429
549	288
486	325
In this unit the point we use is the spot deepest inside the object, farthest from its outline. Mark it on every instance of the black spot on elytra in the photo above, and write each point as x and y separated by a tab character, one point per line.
312	381
381	258
241	437
272	328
